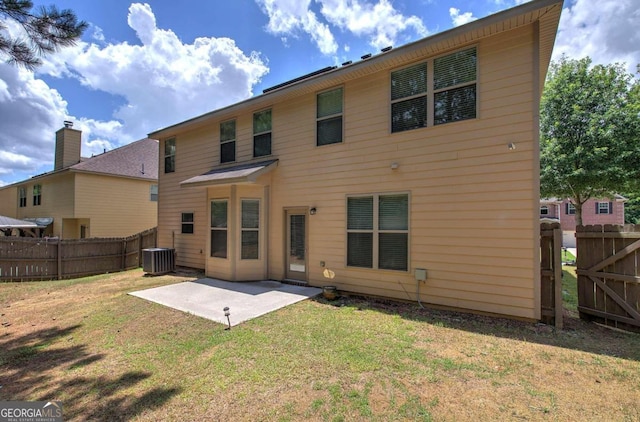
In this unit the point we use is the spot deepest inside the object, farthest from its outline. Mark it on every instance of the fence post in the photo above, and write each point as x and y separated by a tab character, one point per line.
557	275
59	259
140	249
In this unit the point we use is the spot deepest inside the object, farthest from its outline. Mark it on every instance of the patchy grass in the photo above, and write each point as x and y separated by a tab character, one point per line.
570	290
110	356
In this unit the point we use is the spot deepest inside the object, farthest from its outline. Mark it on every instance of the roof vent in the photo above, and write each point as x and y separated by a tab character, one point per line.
347	63
68	124
384	50
366	56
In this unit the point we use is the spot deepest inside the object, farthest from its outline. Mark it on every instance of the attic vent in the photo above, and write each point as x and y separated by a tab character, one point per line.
68	124
384	50
366	56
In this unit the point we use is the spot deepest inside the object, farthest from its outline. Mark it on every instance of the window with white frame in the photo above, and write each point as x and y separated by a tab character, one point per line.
219	223
570	209
378	231
434	92
153	193
262	133
544	210
37	195
250	229
22	197
604	208
329	117
187	223
228	141
170	155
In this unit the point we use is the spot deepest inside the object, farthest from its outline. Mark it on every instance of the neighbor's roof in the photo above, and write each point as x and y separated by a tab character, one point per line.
12	223
138	159
545	12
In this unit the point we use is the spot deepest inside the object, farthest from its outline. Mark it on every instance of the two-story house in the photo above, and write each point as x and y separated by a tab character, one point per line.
418	162
594	211
113	194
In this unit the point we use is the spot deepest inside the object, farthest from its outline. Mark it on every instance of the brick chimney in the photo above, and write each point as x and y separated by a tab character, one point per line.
67	146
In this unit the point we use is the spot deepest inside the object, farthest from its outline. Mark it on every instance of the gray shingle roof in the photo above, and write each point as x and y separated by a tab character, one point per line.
137	159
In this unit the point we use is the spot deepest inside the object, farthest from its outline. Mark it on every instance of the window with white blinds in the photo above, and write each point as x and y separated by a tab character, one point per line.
250	228
378	231
219	228
437	91
329	117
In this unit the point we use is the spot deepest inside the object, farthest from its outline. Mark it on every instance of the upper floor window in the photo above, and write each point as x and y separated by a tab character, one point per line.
544	210
262	133
570	209
37	195
228	141
329	117
187	223
378	231
604	208
22	197
419	99
153	193
454	87
170	155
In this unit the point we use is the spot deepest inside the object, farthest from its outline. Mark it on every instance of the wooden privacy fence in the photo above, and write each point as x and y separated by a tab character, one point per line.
551	274
28	259
608	282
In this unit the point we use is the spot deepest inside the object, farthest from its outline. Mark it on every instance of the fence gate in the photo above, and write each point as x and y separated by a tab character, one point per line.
608	282
551	274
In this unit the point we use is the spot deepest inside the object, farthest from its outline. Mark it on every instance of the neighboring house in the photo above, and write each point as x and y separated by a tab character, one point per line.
422	157
594	211
109	195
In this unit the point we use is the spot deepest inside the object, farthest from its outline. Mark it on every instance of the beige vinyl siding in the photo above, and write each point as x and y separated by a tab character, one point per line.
57	200
9	201
471	222
197	152
115	206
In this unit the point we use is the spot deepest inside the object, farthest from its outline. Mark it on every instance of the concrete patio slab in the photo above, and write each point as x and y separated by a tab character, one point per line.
246	300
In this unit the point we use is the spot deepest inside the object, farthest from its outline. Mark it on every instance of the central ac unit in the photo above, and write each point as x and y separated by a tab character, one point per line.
158	260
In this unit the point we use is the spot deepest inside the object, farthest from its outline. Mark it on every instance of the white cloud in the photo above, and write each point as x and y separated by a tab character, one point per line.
292	16
380	22
162	81
460	19
30	113
606	30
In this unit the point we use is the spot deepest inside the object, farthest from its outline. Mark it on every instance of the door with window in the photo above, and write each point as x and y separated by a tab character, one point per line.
296	245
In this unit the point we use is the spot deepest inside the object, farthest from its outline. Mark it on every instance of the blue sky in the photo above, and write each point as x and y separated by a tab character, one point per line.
143	66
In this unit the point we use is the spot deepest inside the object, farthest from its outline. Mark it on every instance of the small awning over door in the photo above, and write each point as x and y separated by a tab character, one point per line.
245	173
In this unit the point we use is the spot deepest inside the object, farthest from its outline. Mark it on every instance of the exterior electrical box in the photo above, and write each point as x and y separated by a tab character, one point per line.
421	274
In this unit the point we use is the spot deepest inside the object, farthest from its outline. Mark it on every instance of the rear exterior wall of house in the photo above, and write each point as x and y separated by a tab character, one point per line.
473	200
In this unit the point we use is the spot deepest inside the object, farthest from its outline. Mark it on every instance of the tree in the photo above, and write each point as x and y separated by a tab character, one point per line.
46	30
590	132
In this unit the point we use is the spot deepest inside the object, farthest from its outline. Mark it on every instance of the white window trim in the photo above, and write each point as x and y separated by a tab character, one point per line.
430	92
242	229
229	140
332	116
376	231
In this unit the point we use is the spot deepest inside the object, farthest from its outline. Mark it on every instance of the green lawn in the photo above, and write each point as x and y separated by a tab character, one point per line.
110	356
